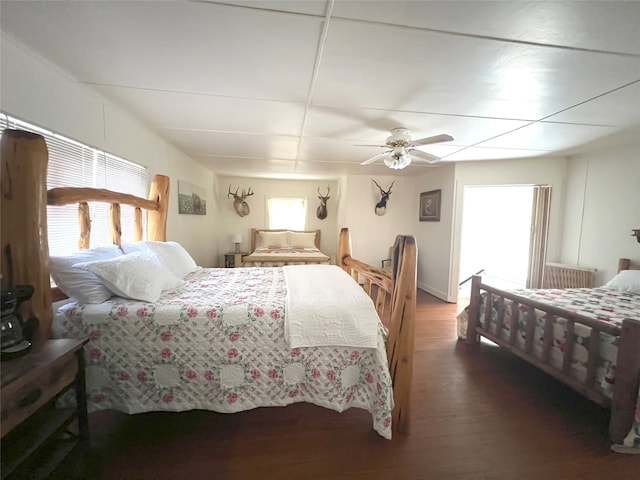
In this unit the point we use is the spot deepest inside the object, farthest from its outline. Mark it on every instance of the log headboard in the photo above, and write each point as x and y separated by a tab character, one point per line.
24	235
627	264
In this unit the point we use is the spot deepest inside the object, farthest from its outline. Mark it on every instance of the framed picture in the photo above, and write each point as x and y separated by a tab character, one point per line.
430	206
192	200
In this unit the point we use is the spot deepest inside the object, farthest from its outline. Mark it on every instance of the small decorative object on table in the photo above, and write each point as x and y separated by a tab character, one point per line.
237	239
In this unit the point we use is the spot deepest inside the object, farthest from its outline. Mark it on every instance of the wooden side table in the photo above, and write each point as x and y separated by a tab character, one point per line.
233	259
35	435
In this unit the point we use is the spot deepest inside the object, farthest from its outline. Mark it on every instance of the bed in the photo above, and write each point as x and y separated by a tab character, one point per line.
276	248
215	339
587	338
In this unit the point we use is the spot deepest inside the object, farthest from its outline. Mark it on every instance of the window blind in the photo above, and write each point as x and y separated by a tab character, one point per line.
72	164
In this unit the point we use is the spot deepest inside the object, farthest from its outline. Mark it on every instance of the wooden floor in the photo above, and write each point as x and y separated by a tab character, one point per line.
478	413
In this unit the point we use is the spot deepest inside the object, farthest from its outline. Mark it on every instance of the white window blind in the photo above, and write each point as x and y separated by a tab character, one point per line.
287	213
72	164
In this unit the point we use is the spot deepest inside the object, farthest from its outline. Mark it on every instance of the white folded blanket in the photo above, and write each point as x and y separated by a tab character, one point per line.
318	316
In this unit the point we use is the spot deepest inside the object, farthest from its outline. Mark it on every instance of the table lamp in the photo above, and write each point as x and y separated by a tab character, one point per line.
237	239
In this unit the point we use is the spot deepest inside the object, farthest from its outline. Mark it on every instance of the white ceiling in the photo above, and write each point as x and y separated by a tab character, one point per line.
286	88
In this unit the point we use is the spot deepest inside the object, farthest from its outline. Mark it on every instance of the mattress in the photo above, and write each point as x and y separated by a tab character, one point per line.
217	343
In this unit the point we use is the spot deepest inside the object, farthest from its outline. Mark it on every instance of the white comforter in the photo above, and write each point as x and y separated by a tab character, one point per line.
326	307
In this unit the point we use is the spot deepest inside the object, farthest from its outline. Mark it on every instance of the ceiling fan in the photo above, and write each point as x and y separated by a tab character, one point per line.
401	149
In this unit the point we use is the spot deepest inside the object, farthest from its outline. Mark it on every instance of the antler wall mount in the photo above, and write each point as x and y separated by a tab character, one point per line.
381	206
321	212
239	204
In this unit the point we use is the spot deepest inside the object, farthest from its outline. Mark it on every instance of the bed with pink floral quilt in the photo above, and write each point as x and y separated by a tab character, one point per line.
220	342
585	371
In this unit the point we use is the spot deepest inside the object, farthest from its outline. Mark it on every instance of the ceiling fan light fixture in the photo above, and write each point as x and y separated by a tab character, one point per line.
397	162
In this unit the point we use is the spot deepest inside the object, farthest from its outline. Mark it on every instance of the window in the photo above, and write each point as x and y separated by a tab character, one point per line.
72	164
287	213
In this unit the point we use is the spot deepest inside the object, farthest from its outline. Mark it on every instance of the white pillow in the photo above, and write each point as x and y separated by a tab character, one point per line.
301	239
83	286
271	240
625	281
137	275
174	257
130	247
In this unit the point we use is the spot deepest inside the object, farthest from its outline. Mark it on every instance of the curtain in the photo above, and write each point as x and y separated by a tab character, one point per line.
539	231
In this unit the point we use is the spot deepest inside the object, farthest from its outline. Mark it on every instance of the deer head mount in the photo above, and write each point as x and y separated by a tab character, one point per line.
381	206
322	209
241	207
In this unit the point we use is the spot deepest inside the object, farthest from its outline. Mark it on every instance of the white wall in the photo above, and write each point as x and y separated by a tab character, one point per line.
603	206
434	239
229	222
371	235
33	90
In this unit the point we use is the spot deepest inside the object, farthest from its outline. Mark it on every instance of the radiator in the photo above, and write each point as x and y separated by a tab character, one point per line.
558	275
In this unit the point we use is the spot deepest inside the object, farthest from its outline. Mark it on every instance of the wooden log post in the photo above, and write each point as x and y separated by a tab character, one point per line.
401	338
84	222
157	219
137	224
473	314
624	264
344	249
115	227
23	233
627	378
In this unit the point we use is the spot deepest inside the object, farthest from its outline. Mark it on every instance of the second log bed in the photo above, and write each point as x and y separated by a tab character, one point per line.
588	339
152	367
278	247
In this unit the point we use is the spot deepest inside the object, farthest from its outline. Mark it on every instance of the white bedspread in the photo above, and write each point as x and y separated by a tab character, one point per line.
312	321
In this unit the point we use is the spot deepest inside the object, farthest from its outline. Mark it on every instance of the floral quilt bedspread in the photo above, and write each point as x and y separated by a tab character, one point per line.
601	303
217	343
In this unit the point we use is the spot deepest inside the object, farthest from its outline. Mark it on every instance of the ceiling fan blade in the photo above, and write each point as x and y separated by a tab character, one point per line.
375	159
435	139
423	156
381	146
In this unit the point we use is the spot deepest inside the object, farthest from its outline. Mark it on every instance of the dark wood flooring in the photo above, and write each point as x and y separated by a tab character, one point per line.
478	413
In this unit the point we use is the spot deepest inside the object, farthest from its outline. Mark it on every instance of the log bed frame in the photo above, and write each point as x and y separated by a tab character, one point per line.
25	251
627	376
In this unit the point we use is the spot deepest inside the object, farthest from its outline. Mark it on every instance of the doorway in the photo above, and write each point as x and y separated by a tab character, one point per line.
495	236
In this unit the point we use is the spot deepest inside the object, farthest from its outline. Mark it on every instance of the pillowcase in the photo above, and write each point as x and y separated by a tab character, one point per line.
173	256
130	247
301	239
625	281
81	285
137	275
271	240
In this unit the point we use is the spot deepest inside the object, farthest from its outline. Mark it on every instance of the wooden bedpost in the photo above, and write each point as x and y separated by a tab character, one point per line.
344	247
157	219
627	378
624	264
401	338
473	313
25	244
84	222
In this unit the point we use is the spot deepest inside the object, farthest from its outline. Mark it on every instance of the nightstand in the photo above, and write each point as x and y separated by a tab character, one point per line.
37	437
233	259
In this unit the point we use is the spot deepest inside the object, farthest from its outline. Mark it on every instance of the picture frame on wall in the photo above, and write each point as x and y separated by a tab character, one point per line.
430	206
192	200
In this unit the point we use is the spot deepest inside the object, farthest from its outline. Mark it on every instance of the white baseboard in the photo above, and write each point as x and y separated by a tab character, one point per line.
436	293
